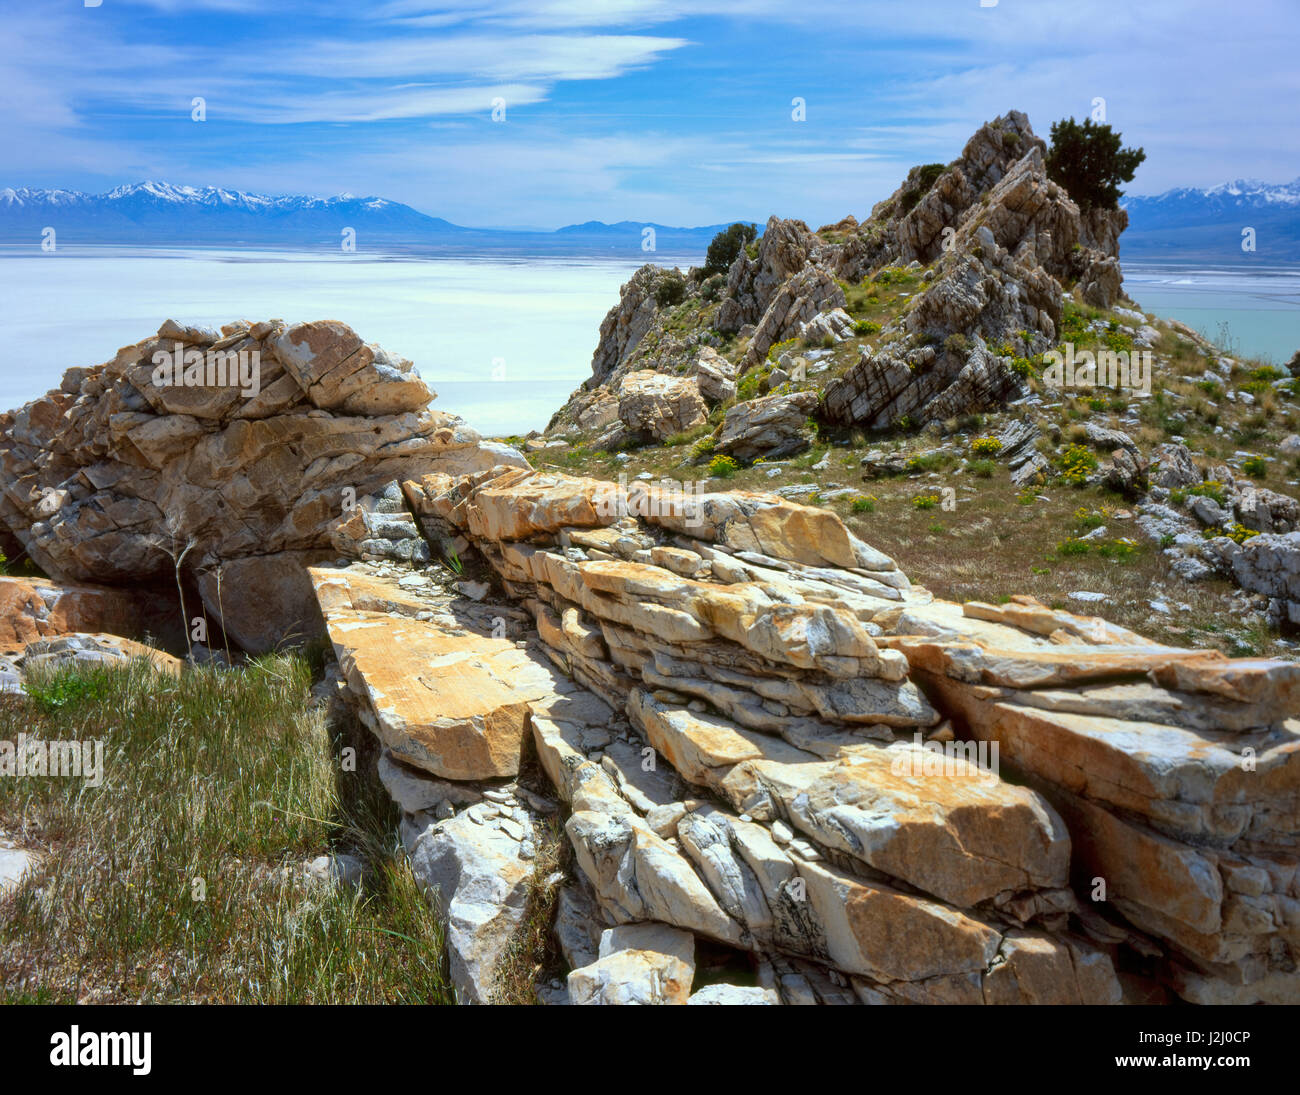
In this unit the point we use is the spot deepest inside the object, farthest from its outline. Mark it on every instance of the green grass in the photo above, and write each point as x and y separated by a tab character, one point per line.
231	778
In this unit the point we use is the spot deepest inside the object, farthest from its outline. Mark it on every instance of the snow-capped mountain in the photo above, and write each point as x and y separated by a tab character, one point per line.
1208	223
159	213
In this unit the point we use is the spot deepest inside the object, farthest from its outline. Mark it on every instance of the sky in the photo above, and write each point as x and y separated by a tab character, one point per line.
680	112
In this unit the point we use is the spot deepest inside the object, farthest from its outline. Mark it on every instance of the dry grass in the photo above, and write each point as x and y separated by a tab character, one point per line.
231	778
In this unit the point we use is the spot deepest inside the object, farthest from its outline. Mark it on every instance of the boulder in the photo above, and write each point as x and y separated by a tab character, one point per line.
716	376
771	426
477	879
659	406
263	602
1270	564
1174	467
637	964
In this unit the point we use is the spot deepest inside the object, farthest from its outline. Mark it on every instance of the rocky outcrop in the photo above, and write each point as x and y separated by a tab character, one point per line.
733	720
1270	564
772	426
884	390
795	306
246	454
1177	772
995	245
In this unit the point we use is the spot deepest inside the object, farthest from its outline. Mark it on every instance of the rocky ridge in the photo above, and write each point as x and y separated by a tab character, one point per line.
1001	246
755	732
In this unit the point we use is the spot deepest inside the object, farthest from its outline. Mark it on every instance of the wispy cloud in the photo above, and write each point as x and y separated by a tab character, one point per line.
673	110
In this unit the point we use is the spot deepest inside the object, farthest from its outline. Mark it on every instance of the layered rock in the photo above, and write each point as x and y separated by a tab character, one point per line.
1177	772
742	762
772	426
196	449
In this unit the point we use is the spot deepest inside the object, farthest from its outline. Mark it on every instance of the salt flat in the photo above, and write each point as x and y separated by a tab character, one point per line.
503	342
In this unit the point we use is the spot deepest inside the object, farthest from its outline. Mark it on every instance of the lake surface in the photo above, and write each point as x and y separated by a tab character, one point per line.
502	341
1254	313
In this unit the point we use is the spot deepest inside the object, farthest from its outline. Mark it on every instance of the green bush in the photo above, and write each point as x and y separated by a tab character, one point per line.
1256	467
775	351
866	327
1211	488
986	446
670	289
723	467
726	246
864	503
957	343
1121	550
747	385
982	469
1088	161
1076	463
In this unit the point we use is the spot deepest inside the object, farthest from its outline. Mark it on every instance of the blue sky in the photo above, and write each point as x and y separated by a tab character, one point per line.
677	111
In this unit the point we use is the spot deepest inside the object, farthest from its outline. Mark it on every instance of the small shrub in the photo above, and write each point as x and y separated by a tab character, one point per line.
775	351
1076	463
1073	546
723	467
986	446
1122	550
925	501
747	386
1239	533
957	343
866	327
1256	467
1211	488
982	469
1085	520
670	289
864	503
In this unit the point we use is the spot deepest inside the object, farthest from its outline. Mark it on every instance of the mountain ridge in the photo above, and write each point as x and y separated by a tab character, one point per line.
154	211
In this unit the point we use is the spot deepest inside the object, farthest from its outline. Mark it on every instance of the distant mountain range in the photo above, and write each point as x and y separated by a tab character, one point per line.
1178	225
160	214
1206	225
